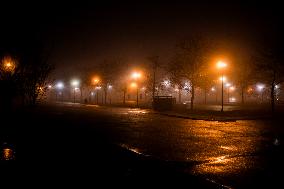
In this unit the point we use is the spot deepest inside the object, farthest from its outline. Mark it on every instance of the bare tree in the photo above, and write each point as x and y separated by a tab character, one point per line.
8	85
205	82
243	74
271	70
191	55
153	77
33	74
109	70
86	85
31	71
176	74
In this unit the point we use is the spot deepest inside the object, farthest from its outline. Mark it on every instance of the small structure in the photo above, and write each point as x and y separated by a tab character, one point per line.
163	103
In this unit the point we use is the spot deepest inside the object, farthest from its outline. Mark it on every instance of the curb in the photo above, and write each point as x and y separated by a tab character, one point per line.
212	119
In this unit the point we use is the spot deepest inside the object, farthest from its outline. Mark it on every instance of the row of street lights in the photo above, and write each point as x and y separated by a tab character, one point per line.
60	86
135	79
75	83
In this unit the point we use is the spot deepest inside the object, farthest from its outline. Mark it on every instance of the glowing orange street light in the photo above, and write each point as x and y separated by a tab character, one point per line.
221	65
95	80
133	85
8	64
136	75
249	90
223	78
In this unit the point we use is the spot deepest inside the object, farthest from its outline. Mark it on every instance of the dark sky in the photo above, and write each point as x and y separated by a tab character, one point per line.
86	33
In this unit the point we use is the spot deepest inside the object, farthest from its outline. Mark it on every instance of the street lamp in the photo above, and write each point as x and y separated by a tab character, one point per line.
8	64
228	85
97	93
221	65
75	83
135	76
232	88
260	88
59	86
213	89
7	67
95	81
109	88
135	85
144	89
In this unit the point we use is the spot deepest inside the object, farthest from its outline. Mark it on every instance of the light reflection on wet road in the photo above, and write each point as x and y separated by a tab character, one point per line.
215	149
229	153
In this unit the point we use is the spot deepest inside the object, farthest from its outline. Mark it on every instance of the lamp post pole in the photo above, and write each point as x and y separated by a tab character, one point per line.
74	96
222	92
228	95
221	65
137	91
216	100
97	96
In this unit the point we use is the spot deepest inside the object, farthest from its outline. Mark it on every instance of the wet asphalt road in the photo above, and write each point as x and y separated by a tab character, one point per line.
241	154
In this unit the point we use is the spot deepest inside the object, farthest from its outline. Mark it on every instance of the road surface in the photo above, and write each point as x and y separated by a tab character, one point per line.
241	154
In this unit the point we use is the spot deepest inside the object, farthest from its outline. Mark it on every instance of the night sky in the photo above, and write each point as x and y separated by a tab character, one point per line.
86	33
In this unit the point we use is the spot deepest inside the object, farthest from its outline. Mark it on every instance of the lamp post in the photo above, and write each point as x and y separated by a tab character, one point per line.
134	85
59	86
144	89
135	76
75	84
137	91
221	65
260	88
214	90
97	93
222	93
232	88
109	88
7	67
8	64
95	82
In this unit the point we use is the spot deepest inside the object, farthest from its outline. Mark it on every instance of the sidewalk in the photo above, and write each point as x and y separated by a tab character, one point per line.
208	117
214	114
207	112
